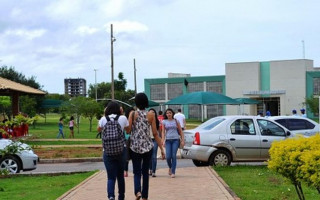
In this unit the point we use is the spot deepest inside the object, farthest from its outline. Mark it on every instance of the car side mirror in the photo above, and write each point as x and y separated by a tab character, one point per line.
288	133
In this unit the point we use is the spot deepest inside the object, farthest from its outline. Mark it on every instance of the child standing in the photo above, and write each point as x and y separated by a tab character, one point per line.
71	126
60	128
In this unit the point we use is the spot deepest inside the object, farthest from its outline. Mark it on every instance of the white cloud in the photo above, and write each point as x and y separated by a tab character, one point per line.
62	9
27	34
85	30
126	26
113	8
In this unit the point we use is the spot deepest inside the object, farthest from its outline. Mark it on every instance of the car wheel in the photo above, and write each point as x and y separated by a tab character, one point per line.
220	157
199	163
11	164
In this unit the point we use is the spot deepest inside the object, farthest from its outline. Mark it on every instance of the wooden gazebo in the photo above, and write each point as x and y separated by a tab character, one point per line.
13	89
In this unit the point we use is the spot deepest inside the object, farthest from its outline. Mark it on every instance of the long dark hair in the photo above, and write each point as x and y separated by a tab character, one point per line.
165	113
127	111
112	108
156	116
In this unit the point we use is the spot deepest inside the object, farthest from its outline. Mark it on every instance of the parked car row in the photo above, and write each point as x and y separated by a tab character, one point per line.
225	139
24	160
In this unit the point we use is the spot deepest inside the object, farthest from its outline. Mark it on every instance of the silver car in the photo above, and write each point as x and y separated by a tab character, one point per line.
225	139
24	160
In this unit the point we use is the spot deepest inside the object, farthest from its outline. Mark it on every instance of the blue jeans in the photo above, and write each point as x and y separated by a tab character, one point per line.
140	163
153	160
60	133
114	166
172	146
126	162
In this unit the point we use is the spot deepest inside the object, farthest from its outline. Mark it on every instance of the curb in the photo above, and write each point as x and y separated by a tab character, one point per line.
225	185
79	185
71	160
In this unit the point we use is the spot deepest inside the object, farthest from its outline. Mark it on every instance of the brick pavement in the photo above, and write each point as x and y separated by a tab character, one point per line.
190	183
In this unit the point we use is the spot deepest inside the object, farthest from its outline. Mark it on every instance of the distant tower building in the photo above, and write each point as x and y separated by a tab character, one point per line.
75	87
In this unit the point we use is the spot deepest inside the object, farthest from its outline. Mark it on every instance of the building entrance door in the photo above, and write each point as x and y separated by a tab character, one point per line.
271	104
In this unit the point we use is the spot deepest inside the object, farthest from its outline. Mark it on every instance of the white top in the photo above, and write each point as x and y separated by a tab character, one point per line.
123	121
180	118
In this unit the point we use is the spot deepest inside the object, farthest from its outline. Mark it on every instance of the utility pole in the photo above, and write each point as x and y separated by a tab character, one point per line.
135	77
303	50
95	83
112	79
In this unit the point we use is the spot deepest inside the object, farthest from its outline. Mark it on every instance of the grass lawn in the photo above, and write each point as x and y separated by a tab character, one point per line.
39	187
257	182
49	128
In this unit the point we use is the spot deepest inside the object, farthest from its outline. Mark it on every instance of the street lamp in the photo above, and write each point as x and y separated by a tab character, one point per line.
95	83
112	79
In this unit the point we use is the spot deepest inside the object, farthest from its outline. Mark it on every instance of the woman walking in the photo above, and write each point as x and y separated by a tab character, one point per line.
60	128
141	144
153	161
172	137
112	158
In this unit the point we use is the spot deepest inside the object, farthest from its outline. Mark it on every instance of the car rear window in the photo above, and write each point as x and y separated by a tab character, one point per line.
208	125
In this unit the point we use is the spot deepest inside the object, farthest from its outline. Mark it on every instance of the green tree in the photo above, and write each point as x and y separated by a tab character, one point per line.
104	90
313	105
5	106
11	74
90	109
28	105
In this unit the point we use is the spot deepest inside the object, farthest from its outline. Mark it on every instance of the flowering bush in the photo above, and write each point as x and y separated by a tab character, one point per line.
297	159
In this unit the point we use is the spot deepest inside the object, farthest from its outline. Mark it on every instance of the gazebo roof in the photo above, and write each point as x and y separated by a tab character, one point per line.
6	86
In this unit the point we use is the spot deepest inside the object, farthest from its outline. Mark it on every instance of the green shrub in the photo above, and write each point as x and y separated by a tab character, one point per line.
297	159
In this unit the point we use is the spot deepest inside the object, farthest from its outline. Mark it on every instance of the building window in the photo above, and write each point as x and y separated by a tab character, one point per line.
214	87
214	110
174	90
157	92
316	86
195	111
195	87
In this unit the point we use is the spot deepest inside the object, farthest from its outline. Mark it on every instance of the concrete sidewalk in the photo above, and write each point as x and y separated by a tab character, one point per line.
190	183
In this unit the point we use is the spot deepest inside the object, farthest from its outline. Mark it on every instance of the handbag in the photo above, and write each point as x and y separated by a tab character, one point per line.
180	145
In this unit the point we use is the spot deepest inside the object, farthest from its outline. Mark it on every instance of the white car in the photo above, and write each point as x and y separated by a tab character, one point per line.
24	160
298	125
225	139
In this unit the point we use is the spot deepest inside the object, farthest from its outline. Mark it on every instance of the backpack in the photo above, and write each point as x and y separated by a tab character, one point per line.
113	139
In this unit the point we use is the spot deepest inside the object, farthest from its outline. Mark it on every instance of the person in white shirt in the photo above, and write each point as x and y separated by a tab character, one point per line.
181	119
294	112
303	112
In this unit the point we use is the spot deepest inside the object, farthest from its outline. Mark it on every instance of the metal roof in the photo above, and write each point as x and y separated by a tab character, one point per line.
7	85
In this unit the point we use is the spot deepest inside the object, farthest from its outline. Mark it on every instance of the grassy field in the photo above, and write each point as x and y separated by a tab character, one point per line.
49	128
39	187
257	182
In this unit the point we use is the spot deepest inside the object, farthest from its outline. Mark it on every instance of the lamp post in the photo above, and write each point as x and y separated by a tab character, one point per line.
95	83
135	77
112	79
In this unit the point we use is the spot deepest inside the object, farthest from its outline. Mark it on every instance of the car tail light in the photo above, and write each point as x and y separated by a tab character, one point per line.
196	139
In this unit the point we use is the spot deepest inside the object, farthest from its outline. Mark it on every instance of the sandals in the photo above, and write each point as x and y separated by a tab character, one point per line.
169	172
138	196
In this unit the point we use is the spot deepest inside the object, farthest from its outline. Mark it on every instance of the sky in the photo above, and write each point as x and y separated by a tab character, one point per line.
57	39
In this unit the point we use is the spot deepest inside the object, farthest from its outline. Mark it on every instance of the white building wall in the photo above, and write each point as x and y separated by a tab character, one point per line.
290	75
241	77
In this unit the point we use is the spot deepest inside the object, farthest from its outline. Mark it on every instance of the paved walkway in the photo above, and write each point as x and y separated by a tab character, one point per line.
190	183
